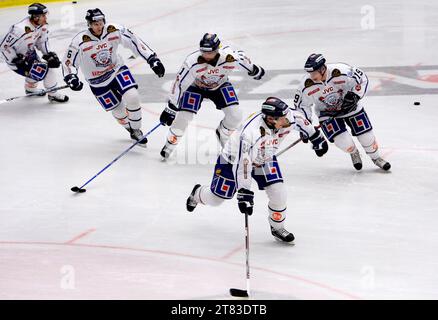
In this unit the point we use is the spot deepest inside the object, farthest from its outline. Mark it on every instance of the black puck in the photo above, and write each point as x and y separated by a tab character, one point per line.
74	2
416	103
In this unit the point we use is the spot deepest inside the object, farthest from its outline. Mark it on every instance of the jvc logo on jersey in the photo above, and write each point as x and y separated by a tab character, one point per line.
327	90
213	71
102	46
269	143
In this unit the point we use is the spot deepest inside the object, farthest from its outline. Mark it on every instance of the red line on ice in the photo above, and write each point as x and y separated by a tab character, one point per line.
80	236
298	278
232	252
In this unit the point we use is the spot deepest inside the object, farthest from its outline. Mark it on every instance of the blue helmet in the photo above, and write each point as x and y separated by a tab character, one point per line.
209	42
314	62
274	107
36	9
94	15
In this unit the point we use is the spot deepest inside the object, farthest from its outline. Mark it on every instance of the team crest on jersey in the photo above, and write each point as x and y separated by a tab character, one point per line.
111	28
308	83
336	73
86	38
27	29
333	99
103	57
230	58
209	82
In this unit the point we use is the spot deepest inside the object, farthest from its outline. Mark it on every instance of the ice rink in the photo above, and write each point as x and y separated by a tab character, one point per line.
359	235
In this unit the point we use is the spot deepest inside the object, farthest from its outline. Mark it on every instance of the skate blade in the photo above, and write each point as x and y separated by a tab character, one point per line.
290	243
142	145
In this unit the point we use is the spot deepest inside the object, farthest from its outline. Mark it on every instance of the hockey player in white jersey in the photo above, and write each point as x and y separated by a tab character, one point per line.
18	49
335	90
94	51
204	75
250	154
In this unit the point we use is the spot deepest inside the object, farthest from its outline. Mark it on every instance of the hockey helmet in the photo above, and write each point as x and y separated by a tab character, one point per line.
314	62
209	42
36	9
274	107
94	15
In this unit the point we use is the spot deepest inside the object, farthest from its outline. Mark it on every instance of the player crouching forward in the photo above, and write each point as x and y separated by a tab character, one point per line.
95	52
18	50
250	154
335	90
204	75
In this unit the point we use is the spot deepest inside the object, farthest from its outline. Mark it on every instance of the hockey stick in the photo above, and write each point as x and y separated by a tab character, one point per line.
81	188
289	146
34	94
294	143
239	292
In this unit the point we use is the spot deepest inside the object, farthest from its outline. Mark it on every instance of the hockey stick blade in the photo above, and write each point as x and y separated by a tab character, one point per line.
78	190
239	293
34	94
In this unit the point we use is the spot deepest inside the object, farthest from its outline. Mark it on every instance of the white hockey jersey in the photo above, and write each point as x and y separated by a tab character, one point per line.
255	144
97	56
22	38
195	70
327	96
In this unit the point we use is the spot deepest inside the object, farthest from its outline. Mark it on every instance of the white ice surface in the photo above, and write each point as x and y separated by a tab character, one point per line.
359	235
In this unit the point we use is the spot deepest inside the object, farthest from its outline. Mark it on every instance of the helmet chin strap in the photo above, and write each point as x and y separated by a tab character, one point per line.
325	70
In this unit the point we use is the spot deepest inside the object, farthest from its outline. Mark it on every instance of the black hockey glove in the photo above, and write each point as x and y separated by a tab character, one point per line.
52	60
304	137
257	72
73	82
168	114
157	66
245	200
350	102
319	144
21	63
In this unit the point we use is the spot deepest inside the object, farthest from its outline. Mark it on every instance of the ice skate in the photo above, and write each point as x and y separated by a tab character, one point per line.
282	234
57	97
191	202
357	161
385	165
167	150
136	135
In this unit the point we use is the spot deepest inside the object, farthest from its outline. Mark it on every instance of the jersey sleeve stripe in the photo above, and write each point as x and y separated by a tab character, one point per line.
245	67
